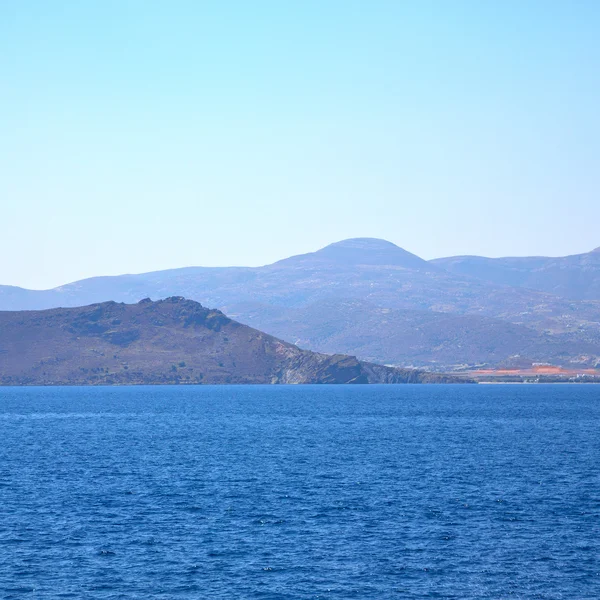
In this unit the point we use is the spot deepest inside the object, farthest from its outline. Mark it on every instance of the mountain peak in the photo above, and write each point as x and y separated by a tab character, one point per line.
596	250
359	251
364	243
371	251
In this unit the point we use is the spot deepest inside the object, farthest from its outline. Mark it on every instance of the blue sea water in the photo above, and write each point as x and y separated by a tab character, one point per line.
300	492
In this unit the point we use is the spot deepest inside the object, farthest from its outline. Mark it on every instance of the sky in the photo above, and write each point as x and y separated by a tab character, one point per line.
138	135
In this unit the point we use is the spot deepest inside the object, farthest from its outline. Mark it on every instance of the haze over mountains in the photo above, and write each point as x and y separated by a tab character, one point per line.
372	299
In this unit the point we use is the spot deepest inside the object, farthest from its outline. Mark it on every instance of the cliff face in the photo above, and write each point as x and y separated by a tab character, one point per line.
165	342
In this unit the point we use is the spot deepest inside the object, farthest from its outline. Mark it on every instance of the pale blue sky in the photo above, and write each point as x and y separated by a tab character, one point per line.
141	135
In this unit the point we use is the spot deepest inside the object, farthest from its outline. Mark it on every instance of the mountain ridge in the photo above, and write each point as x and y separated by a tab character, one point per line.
349	243
576	277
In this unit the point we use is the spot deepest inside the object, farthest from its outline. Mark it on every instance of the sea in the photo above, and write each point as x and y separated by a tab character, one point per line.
293	492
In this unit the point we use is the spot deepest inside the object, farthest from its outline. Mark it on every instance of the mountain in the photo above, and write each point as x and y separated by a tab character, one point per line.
168	341
369	298
358	252
418	338
576	277
309	276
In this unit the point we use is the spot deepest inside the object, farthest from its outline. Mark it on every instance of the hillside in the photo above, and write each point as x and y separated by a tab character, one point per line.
372	299
576	277
168	341
417	338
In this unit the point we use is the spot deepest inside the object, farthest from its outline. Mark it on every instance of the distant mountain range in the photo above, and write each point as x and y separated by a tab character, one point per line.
370	298
576	277
171	341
